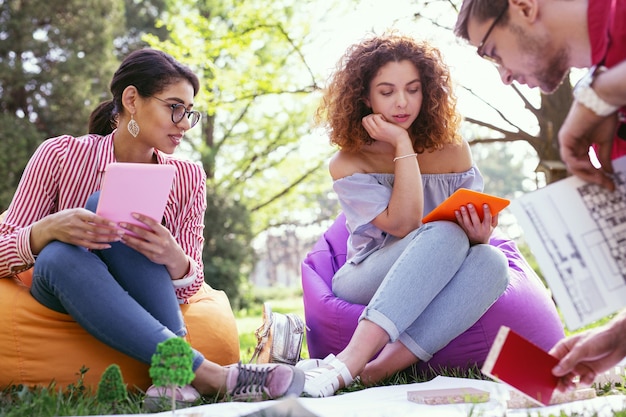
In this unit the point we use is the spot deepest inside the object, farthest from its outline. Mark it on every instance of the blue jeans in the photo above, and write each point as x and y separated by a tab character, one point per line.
118	295
427	288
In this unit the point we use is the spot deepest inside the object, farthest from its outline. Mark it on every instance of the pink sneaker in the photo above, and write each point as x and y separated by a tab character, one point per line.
160	398
263	382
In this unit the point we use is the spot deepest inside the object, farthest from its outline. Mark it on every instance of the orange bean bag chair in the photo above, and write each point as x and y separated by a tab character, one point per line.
39	345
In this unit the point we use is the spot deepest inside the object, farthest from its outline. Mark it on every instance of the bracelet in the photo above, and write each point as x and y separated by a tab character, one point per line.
404	156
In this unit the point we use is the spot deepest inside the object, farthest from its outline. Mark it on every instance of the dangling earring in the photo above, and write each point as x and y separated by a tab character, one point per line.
133	126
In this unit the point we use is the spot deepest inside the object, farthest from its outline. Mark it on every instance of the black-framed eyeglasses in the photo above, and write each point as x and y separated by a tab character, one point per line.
179	111
481	53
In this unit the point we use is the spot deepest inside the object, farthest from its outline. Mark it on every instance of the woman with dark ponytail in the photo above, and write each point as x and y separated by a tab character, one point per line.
120	282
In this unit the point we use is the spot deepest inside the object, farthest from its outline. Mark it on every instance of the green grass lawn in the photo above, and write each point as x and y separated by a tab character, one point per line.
77	400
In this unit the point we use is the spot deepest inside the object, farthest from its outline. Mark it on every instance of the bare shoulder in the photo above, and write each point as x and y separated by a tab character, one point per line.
460	155
343	164
455	157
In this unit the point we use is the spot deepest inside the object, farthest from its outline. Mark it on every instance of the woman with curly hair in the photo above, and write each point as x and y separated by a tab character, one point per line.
390	110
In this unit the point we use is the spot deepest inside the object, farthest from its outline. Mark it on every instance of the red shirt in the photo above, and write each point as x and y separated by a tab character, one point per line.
607	34
64	171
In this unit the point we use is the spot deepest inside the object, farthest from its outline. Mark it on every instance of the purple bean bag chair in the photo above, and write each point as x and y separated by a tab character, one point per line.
525	307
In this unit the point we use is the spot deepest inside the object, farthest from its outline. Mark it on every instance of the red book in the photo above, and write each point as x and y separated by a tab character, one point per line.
522	365
463	197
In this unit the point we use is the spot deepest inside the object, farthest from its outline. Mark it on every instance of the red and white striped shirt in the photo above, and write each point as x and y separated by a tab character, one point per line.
64	171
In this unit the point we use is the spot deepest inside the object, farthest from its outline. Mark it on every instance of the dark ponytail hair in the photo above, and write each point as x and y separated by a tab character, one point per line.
102	121
150	71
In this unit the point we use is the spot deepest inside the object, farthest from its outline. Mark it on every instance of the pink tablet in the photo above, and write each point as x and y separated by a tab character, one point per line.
135	188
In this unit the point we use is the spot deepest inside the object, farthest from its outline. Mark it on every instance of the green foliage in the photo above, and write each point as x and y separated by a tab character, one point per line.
16	146
228	254
257	95
258	98
502	169
111	388
141	17
56	60
172	363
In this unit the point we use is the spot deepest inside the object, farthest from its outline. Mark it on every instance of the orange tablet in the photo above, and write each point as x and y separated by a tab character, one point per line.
463	197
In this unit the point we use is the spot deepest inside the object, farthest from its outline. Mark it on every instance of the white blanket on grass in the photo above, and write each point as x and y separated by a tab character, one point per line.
391	401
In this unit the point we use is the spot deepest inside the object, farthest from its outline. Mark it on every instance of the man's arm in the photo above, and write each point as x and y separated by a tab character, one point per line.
583	128
610	85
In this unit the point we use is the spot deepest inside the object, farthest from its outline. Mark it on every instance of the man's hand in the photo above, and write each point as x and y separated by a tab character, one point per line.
582	129
590	353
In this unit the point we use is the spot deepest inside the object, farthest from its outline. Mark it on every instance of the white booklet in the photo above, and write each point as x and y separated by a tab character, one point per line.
577	232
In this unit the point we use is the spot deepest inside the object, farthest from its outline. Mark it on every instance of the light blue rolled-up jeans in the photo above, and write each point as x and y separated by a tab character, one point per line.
118	295
427	288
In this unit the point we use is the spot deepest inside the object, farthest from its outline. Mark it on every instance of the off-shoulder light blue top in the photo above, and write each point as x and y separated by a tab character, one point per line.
365	196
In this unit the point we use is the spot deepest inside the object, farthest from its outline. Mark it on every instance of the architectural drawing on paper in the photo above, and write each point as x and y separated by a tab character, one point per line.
577	232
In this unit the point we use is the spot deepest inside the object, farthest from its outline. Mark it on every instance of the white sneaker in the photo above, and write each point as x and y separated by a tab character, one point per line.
308	364
324	381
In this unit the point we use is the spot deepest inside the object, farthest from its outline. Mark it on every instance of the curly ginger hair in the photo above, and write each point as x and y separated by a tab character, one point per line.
343	104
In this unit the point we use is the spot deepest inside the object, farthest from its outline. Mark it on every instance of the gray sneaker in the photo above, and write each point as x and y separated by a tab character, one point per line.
263	382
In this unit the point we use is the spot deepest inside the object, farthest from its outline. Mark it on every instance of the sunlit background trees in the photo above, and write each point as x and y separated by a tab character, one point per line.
262	64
